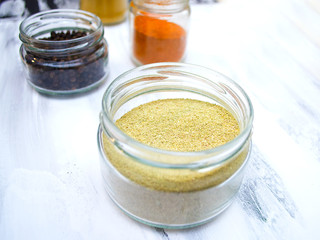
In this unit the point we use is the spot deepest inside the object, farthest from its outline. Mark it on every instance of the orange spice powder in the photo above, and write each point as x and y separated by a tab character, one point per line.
157	40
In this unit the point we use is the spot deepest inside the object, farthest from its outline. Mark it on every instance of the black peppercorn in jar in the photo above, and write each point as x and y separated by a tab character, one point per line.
64	51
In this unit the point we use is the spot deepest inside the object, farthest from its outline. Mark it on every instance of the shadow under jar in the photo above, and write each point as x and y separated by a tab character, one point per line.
64	51
172	189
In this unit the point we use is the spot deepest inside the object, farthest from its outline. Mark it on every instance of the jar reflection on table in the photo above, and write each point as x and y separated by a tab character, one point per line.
158	30
109	11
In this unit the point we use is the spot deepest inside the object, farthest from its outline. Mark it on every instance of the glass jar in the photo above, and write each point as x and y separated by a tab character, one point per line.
64	51
158	30
109	11
171	189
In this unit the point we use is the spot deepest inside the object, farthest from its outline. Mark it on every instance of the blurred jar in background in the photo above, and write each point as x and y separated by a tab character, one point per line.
158	30
109	11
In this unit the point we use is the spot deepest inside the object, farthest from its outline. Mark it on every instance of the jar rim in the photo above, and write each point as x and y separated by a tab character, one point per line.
161	2
162	6
213	156
27	23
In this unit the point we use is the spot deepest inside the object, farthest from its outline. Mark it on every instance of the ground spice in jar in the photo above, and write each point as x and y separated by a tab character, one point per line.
157	40
109	11
180	125
177	125
177	161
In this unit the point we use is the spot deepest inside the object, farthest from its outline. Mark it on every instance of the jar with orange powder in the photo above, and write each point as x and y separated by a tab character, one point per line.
158	30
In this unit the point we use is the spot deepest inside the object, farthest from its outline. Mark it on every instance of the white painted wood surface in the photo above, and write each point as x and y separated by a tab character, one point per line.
50	183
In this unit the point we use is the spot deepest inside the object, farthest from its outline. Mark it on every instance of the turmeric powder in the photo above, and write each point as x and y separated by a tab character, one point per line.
157	40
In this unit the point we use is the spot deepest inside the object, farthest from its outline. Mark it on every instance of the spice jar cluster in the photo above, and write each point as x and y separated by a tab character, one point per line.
174	138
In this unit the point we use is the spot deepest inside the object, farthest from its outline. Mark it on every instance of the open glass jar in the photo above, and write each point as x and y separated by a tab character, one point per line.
172	189
158	30
64	51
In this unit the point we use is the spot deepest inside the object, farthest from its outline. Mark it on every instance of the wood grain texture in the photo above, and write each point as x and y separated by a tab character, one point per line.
50	182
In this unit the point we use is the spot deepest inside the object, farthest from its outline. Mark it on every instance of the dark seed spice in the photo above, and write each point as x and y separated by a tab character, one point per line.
67	71
58	36
59	74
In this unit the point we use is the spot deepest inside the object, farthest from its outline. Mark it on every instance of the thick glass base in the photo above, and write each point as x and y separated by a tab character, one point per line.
176	226
165	209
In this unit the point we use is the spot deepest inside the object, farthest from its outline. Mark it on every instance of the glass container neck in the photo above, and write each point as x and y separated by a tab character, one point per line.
35	28
176	77
162	5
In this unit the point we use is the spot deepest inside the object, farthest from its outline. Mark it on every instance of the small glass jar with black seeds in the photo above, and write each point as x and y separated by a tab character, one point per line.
64	51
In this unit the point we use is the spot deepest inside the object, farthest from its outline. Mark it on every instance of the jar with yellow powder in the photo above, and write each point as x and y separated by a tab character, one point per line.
174	140
109	11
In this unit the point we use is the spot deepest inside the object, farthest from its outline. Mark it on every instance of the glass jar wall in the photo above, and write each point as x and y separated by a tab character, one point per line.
64	51
158	30
164	188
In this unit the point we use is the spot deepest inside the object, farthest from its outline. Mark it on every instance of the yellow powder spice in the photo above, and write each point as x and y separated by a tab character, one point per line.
180	124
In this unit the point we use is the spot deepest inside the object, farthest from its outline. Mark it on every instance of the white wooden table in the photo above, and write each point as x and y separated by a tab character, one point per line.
50	182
